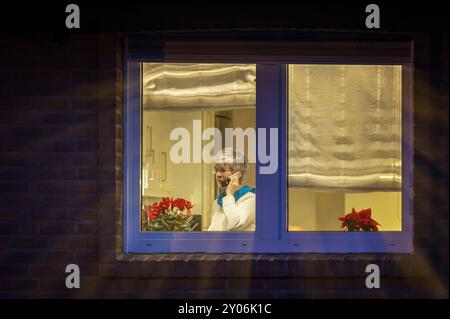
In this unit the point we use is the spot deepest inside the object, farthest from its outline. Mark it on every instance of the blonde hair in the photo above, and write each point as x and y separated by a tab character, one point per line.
235	159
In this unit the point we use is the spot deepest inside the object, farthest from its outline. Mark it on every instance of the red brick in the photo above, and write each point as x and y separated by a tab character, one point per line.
83	187
88	173
46	214
59	118
423	214
12	214
56	228
106	257
83	75
8	229
109	117
81	159
110	131
40	173
110	146
29	242
28	229
107	229
28	132
57	146
48	187
110	187
88	90
109	214
40	76
81	214
18	145
109	174
241	283
86	228
10	173
423	200
68	173
109	201
20	200
50	104
422	227
440	227
83	104
48	270
74	243
13	187
15	103
103	284
53	284
106	160
12	256
83	131
87	146
89	200
86	257
20	118
18	284
55	256
46	160
69	200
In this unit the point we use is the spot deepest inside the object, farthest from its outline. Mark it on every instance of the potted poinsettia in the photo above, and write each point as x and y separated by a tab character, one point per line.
359	221
169	215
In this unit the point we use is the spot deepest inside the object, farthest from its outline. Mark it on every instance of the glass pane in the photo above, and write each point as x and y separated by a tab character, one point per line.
344	144
197	125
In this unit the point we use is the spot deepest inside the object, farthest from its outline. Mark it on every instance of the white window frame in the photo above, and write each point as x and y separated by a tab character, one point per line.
271	235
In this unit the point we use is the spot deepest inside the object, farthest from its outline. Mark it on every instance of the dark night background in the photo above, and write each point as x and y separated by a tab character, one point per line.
398	16
61	139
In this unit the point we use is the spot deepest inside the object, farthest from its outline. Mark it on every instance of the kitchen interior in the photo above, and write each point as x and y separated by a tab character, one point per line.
220	96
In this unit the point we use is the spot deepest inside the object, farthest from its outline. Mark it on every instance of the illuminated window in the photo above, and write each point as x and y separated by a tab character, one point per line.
345	147
308	142
187	111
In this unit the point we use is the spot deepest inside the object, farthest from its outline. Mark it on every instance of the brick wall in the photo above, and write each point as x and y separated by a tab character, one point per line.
61	139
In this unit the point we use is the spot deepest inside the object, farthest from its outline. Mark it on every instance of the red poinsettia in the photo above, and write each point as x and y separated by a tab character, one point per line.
182	204
359	221
169	215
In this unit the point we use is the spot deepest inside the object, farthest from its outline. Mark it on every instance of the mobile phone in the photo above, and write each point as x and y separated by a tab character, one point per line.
227	181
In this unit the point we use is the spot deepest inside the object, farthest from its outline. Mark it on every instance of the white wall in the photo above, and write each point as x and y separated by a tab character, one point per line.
311	210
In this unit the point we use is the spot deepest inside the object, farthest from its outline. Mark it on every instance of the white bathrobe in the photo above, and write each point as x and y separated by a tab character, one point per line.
234	215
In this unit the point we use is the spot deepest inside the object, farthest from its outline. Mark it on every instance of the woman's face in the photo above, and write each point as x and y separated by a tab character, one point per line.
223	173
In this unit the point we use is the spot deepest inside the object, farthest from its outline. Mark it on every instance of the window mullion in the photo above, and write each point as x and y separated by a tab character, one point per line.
268	115
132	158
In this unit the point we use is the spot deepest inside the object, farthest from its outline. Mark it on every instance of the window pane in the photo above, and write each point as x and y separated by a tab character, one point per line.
190	148
344	147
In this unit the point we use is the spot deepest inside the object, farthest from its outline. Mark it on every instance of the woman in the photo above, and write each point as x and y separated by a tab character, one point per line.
234	209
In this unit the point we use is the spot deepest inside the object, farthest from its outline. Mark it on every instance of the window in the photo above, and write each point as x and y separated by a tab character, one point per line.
189	113
310	138
352	159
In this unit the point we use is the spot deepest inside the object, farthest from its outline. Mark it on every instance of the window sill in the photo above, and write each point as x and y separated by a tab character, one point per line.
253	265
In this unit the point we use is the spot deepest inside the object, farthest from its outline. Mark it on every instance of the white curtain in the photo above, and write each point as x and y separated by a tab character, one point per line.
345	127
185	86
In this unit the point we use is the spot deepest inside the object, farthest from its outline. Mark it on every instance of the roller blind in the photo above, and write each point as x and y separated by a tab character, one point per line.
185	86
345	127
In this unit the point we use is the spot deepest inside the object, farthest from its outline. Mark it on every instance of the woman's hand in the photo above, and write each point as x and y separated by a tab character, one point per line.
234	185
